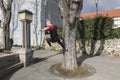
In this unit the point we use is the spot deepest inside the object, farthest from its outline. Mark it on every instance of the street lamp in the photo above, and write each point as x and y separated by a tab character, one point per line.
95	35
96	1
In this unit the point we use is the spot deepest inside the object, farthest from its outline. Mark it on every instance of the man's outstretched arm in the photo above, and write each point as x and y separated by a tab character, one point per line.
43	29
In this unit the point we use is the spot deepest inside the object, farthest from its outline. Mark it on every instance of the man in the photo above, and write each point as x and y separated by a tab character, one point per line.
53	34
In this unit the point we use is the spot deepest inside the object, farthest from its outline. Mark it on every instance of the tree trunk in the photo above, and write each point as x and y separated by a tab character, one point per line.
7	17
6	30
70	59
70	11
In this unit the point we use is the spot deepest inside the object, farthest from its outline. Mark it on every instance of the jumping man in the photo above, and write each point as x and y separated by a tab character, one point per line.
53	34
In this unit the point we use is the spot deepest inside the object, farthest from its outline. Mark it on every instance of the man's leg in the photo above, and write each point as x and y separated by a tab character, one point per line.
48	41
61	44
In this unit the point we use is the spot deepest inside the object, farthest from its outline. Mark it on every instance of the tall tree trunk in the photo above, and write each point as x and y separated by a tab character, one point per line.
70	59
6	29
70	10
7	17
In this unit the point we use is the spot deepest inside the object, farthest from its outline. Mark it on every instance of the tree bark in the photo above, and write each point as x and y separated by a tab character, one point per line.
7	17
70	11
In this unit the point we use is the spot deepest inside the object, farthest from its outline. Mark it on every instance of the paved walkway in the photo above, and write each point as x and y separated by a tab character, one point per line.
107	68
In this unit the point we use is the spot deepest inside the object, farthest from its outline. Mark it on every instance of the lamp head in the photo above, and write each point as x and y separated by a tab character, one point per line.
96	1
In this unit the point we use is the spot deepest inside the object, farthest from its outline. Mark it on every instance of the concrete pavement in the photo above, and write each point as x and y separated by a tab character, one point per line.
106	68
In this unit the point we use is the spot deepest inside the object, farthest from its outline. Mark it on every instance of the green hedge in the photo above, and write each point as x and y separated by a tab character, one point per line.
97	28
86	29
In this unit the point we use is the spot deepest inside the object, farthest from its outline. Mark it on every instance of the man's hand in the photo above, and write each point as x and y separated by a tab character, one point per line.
40	30
43	29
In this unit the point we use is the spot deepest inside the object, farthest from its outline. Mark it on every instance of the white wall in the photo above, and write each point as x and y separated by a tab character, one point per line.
46	9
116	22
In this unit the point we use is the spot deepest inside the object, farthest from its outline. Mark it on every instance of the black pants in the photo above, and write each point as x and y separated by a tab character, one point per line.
49	40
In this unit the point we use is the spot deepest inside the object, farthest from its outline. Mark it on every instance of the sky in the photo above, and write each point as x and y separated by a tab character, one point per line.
90	6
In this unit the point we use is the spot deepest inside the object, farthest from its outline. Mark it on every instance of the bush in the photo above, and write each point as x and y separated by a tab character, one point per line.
97	28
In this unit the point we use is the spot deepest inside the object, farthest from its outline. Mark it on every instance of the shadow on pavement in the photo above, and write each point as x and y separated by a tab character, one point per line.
83	57
9	75
37	59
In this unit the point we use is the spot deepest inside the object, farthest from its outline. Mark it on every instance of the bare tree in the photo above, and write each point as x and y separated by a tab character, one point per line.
6	9
70	12
14	19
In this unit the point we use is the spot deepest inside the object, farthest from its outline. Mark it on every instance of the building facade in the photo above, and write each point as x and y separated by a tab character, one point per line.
42	10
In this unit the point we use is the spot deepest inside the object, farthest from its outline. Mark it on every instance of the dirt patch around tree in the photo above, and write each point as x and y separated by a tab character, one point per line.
84	70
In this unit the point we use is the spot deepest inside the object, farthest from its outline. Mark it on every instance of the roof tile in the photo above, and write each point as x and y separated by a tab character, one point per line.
109	13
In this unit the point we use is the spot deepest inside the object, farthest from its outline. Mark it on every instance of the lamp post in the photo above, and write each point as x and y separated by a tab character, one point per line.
95	31
96	2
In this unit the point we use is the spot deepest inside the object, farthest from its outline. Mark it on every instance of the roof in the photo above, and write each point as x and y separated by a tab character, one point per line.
109	13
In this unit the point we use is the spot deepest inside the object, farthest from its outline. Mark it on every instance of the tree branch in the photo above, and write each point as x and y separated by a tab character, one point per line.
2	6
75	8
64	9
9	5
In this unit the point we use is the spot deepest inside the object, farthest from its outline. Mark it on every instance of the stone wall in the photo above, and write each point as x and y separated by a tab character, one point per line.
55	46
111	47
